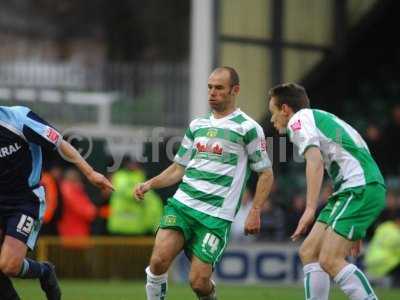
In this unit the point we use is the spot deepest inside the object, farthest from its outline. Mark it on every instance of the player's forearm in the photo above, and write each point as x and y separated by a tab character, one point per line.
168	177
264	185
315	175
70	154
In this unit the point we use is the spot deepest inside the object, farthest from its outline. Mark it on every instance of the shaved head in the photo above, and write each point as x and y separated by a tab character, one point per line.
233	75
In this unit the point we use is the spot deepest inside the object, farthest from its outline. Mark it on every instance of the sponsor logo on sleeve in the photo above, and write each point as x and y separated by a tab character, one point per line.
296	125
263	145
52	135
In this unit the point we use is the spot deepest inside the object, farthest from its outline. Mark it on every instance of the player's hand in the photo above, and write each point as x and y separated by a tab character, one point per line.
253	222
99	180
140	190
355	250
305	221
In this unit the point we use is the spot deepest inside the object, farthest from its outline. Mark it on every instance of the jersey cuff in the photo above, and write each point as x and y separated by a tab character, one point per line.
59	141
181	163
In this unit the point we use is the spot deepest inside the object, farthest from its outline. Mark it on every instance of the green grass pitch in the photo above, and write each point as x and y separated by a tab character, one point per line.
125	290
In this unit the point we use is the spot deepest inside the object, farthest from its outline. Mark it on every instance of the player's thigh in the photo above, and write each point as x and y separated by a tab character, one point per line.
311	246
173	231
210	240
168	243
356	209
13	252
335	249
22	221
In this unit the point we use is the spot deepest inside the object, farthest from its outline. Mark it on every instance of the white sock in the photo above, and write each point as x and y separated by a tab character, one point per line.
354	284
316	282
156	286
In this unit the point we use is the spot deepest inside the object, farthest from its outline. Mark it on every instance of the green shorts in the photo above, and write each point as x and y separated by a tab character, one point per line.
351	212
206	236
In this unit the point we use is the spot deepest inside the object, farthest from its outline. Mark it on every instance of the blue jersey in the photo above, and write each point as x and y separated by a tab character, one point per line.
23	136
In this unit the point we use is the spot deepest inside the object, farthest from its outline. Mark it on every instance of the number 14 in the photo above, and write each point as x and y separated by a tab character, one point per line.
212	241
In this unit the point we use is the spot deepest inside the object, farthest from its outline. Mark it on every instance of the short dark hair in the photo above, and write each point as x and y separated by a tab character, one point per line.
233	75
291	94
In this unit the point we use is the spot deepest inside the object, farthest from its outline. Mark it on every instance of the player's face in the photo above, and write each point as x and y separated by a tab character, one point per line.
220	92
279	117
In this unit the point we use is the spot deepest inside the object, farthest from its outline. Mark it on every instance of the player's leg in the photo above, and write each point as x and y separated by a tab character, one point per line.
21	229
200	279
168	244
351	280
211	237
174	230
316	280
357	209
7	290
13	263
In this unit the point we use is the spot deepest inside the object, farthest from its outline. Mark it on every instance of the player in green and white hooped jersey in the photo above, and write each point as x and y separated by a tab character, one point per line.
214	161
358	198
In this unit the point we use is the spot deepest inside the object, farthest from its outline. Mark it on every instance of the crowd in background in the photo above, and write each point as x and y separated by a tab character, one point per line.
72	213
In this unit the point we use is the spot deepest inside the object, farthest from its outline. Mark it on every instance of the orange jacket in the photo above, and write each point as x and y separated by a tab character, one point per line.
78	210
50	186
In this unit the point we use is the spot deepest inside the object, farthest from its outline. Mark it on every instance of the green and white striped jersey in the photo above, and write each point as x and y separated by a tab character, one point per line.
346	155
218	155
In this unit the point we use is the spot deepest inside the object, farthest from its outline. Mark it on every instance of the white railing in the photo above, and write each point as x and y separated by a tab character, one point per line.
152	94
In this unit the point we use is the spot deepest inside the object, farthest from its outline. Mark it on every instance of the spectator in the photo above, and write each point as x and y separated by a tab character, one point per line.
375	141
127	215
392	205
78	210
50	181
383	254
295	213
272	223
237	229
391	136
99	226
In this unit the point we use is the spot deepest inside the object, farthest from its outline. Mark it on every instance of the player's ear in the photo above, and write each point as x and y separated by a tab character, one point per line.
235	90
286	109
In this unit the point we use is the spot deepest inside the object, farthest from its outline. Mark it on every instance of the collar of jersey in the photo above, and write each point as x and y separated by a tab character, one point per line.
232	114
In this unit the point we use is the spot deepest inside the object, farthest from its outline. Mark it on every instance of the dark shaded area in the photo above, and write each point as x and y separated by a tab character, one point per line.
131	29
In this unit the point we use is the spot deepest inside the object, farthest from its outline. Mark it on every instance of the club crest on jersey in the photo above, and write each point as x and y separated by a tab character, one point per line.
212	132
52	135
296	125
9	150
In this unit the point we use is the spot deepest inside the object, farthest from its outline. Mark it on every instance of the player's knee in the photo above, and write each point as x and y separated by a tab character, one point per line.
327	263
159	265
307	254
200	284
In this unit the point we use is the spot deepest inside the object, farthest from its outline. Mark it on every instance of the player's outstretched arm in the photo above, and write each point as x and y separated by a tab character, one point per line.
264	185
68	152
168	177
314	176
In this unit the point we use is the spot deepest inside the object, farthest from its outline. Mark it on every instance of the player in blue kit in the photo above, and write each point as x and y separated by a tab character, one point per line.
23	137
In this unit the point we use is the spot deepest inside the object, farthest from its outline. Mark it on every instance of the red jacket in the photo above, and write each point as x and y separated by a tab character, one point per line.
78	210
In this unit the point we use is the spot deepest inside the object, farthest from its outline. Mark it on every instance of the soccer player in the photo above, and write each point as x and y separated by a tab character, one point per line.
359	192
213	162
23	136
